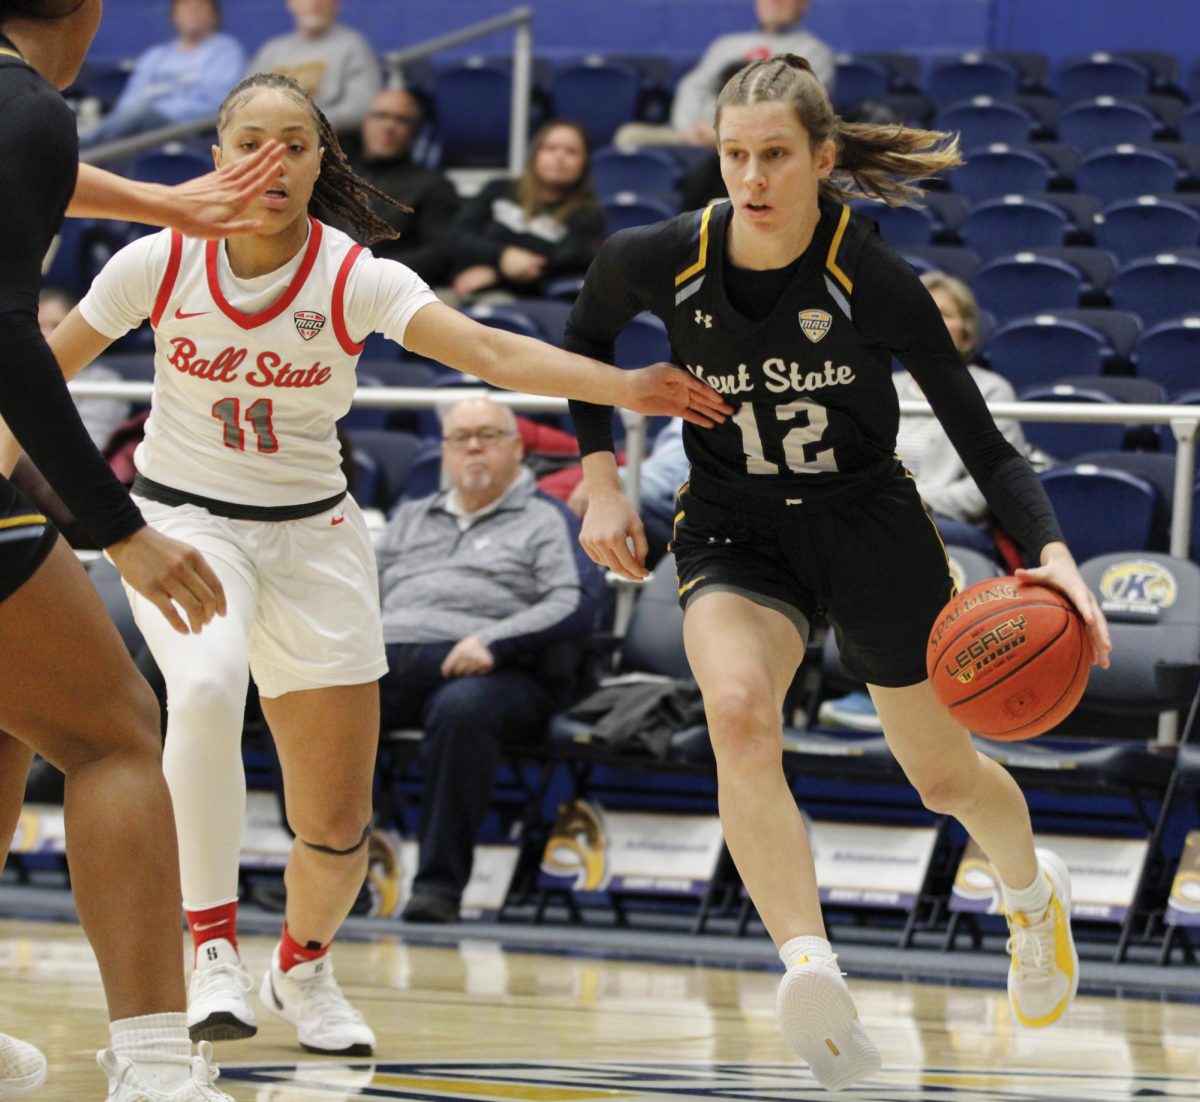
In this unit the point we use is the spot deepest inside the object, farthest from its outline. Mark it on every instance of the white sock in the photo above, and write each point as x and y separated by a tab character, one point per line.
1032	900
793	949
159	1045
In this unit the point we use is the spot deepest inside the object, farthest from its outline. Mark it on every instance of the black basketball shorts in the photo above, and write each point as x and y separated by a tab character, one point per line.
26	538
874	566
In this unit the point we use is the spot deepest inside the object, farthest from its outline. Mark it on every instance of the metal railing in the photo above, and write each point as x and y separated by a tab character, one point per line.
1184	422
519	18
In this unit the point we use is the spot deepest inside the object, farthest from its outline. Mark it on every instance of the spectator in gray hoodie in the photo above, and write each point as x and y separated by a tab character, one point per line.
332	63
477	583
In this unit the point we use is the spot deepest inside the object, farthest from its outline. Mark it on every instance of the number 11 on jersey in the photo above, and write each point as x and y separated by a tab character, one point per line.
228	412
803	447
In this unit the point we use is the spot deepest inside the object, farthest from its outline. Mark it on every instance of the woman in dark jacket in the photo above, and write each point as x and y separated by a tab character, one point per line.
516	234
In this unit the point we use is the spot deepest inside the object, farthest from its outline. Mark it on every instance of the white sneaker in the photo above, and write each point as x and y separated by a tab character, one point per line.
126	1084
820	1024
22	1066
1044	974
217	1008
309	998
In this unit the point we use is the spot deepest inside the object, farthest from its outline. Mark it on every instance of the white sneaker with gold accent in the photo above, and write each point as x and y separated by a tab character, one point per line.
1044	974
819	1022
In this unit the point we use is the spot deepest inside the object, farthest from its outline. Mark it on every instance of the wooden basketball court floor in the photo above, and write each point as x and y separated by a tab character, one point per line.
475	1021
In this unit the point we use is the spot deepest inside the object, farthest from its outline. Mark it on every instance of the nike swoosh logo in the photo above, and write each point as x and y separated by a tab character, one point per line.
210	926
181	316
337	520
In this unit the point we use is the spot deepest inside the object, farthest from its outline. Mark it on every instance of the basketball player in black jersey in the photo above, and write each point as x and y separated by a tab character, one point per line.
796	507
70	691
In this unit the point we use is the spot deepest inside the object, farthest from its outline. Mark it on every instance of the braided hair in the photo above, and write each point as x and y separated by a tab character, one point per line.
876	161
339	189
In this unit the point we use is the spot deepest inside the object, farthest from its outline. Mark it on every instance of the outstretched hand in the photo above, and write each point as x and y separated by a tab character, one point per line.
1058	571
216	204
663	390
167	572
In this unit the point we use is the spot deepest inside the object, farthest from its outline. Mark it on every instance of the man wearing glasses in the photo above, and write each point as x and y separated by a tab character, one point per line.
478	584
384	158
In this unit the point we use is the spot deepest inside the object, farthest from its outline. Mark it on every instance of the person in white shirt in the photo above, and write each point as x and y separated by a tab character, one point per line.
256	341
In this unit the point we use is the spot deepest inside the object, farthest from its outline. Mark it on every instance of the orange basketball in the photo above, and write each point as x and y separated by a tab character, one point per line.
1010	660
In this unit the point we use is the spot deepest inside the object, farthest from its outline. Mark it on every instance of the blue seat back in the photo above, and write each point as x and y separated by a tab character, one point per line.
1102	510
1101	75
1106	122
599	95
1158	288
985	121
626	210
1125	172
1012	286
998	226
1064	440
997	170
642	171
1131	228
971	75
472	102
1033	351
1169	353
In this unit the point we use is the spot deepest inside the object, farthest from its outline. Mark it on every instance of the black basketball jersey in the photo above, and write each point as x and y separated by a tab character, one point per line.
815	409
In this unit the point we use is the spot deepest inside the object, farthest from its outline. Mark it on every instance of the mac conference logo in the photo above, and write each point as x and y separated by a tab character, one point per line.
308	323
814	324
1137	585
578	847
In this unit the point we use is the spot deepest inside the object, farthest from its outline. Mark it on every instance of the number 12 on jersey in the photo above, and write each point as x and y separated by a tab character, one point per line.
802	447
229	412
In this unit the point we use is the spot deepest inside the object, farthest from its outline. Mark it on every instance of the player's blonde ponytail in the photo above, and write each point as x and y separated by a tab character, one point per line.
875	161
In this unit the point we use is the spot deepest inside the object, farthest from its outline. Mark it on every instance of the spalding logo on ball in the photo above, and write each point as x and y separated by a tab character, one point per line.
1008	659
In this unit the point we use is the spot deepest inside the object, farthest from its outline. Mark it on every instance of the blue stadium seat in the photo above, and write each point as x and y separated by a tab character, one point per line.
393	454
598	94
364	417
901	226
1121	329
1147	225
1104	122
1125	172
173	164
1101	75
1036	350
1169	353
1189	123
1063	440
507	317
627	209
472	101
643	341
1025	283
859	79
958	262
642	171
997	170
971	75
549	314
986	121
1102	510
998	226
366	478
1157	288
103	81
424	476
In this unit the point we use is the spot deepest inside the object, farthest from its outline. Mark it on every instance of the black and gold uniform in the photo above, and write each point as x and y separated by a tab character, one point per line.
798	501
39	162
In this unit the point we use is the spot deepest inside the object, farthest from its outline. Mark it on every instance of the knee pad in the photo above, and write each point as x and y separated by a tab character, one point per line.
341	852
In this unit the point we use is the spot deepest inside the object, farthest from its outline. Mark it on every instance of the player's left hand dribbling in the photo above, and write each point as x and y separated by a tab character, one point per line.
664	390
1058	570
168	573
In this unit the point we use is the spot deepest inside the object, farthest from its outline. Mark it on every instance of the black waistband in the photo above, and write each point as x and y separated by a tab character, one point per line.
166	495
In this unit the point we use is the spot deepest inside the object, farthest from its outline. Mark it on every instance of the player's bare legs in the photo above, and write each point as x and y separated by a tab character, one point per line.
85	708
953	778
327	740
744	656
15	759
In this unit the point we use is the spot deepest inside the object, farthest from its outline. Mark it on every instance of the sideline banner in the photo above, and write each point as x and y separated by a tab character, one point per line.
594	850
1104	876
870	865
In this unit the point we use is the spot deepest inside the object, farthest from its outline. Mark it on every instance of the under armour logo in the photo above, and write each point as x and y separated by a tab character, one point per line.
704	319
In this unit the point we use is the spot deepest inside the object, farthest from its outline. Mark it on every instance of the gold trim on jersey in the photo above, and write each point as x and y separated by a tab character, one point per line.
698	267
11	53
929	516
25	521
834	245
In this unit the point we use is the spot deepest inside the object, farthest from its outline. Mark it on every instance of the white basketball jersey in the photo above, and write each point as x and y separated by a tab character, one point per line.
245	405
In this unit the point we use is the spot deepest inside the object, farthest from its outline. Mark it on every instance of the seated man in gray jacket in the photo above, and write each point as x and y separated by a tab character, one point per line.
476	582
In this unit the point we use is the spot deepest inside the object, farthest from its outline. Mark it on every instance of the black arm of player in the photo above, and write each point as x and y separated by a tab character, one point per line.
617	288
892	306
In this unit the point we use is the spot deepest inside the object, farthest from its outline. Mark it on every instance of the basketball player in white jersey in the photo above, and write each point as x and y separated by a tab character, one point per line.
256	343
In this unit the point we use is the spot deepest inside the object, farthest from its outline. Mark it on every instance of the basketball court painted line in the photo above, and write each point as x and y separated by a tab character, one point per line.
590	1082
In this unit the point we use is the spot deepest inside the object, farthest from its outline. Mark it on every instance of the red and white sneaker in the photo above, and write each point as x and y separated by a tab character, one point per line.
308	997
